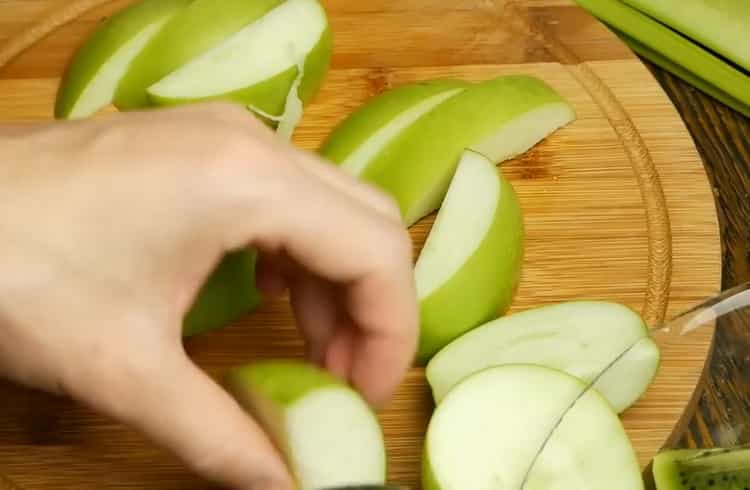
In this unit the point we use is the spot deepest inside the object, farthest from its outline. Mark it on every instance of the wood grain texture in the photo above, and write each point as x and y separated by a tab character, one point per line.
617	206
723	139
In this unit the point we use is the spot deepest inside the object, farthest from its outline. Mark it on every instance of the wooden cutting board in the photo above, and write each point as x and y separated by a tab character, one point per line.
617	207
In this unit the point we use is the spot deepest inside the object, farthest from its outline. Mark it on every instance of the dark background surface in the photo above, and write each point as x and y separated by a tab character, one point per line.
722	137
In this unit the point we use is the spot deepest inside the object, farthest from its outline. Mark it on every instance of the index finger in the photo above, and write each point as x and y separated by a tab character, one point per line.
339	238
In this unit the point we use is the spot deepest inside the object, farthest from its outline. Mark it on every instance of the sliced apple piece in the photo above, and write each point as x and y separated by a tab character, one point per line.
201	27
91	79
327	432
228	293
582	338
500	118
469	267
364	133
588	450
257	65
525	427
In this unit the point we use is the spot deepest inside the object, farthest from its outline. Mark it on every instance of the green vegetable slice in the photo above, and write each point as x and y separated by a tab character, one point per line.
698	82
722	26
678	49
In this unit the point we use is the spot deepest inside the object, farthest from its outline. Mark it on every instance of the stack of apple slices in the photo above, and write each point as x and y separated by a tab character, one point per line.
408	141
167	52
526	427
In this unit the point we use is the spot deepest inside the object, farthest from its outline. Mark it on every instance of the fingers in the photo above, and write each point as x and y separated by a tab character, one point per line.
341	240
288	203
386	339
307	162
183	410
315	309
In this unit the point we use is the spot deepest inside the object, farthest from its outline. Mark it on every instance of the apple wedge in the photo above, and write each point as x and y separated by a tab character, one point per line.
415	159
527	427
369	129
581	338
228	293
327	432
257	65
91	79
470	265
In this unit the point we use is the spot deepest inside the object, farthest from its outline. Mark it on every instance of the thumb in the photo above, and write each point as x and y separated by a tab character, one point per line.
185	411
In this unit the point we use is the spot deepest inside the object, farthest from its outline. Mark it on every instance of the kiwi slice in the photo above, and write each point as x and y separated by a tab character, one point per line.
699	469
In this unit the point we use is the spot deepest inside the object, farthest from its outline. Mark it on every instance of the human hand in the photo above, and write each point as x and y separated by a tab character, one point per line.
108	229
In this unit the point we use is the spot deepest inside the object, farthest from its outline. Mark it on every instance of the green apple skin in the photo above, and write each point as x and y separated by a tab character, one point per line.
106	40
278	394
377	112
270	95
264	389
196	29
285	382
228	293
417	166
483	287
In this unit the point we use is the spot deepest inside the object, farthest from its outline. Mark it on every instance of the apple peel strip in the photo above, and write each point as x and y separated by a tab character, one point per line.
293	108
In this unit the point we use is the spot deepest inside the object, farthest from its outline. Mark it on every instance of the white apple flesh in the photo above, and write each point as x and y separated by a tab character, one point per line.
523	427
327	432
470	264
245	66
588	450
582	338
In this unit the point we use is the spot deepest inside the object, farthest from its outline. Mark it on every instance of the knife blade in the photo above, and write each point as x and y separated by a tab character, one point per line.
734	300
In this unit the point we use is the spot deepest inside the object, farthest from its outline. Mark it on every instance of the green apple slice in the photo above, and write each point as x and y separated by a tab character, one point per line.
327	432
415	162
228	293
92	77
470	264
257	65
198	28
523	427
365	132
720	26
581	338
